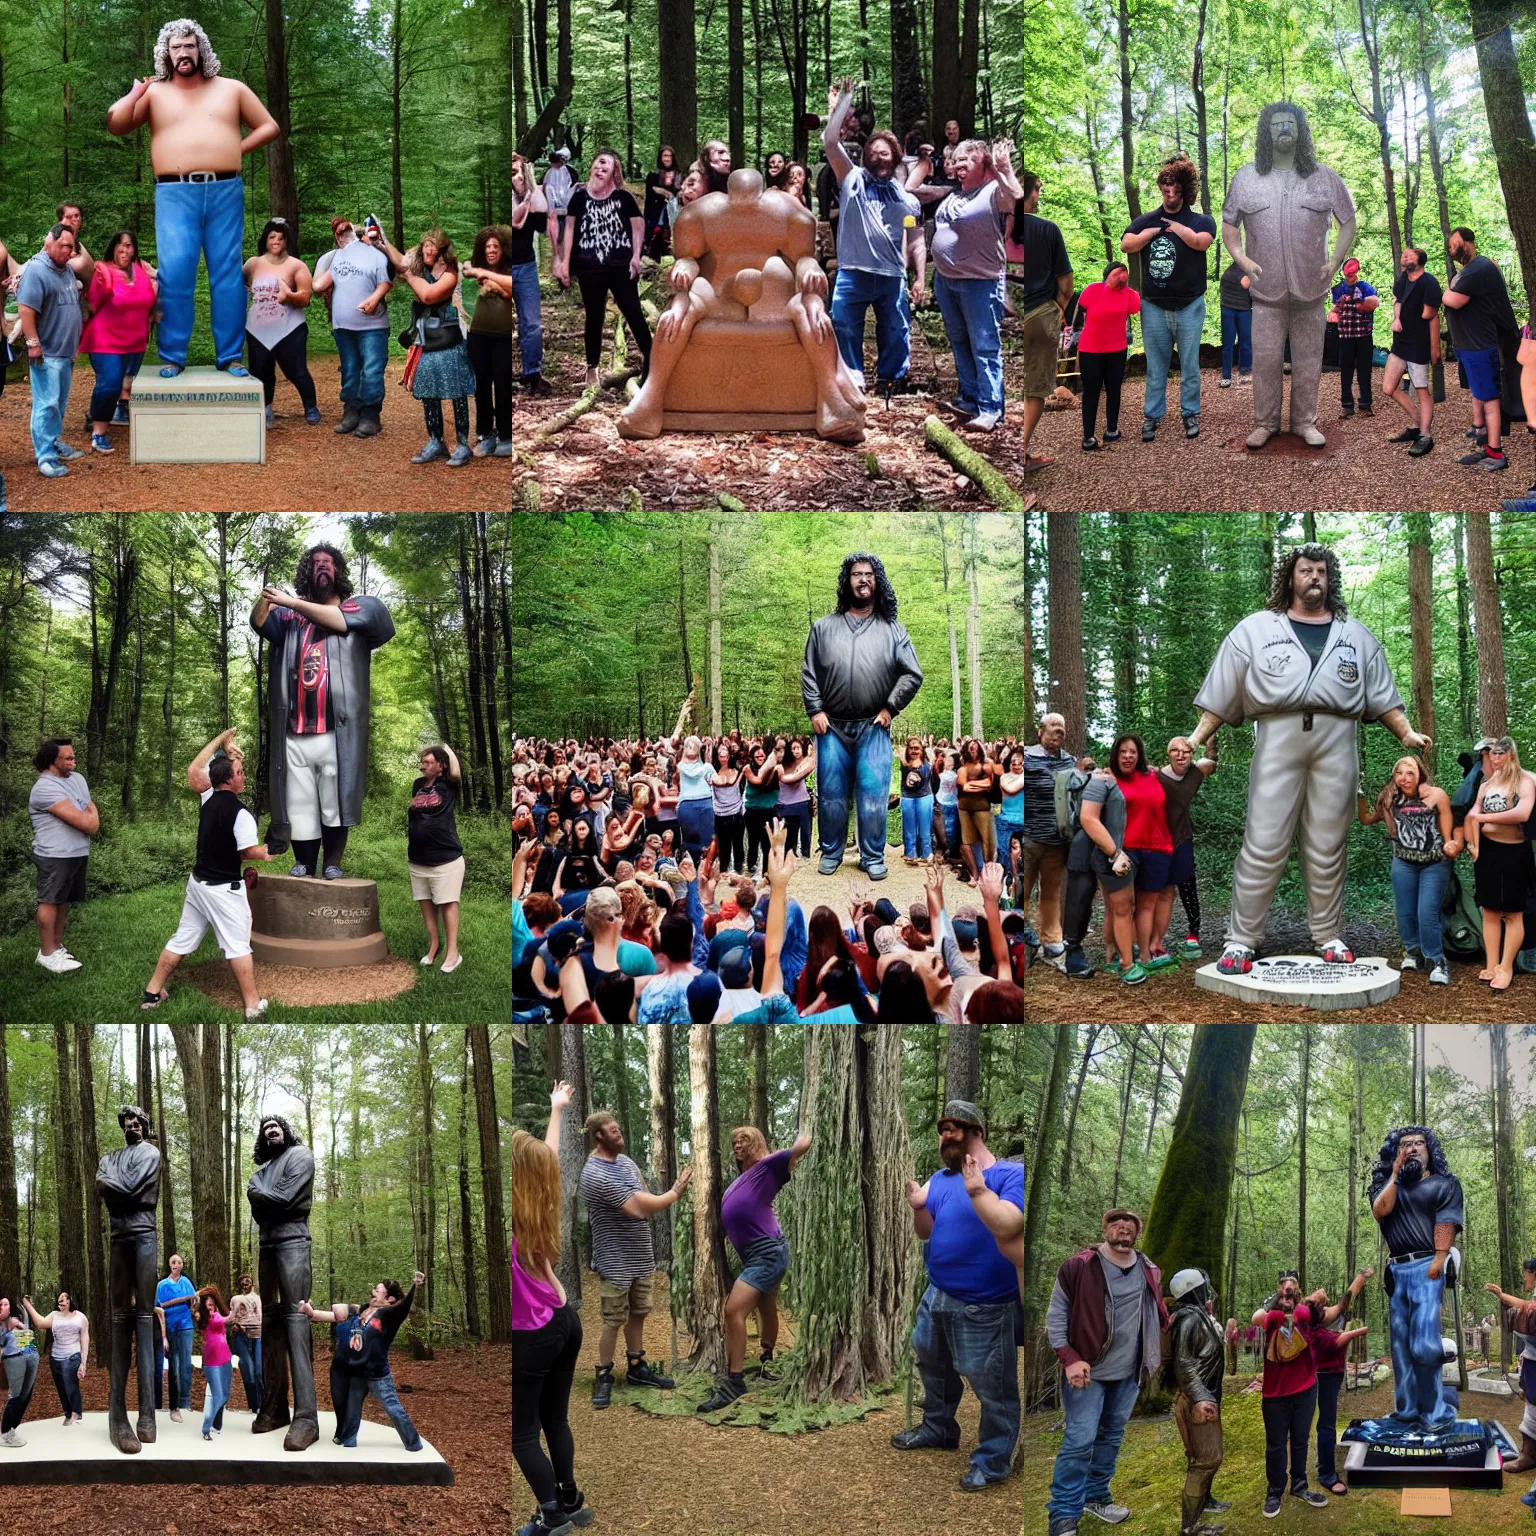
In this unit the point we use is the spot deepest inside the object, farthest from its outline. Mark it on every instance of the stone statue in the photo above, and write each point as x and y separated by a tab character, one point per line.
1283	202
128	1181
746	343
281	1192
1306	674
323	639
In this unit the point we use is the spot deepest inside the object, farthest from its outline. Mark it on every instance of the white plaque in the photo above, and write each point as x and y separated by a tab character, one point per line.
202	416
1307	981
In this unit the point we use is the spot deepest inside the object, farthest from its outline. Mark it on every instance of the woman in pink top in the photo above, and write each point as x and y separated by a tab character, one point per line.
122	295
217	1368
1101	353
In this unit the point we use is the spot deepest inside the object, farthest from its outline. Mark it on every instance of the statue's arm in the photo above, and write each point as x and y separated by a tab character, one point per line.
1343	240
262	125
129	111
1209	724
372	618
1232	239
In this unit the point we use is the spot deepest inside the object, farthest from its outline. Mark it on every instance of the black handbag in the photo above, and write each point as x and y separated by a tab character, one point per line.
436	329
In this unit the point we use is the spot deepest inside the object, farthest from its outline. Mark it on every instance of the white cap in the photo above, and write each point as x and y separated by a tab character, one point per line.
1185	1281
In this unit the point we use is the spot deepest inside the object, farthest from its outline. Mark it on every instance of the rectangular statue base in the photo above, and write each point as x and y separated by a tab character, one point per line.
202	416
1408	1463
84	1454
738	421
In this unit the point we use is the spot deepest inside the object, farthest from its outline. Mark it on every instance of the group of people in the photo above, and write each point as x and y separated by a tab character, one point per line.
970	1322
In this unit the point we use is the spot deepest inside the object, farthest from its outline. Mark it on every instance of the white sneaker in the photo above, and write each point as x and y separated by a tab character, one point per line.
983	421
12	1439
59	961
1440	976
1410	961
257	1011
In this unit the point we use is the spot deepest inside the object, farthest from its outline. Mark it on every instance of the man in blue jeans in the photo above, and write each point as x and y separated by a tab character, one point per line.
1105	1322
357	275
48	301
195	116
970	1317
860	672
174	1296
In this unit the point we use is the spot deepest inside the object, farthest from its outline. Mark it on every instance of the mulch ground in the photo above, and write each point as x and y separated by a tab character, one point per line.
461	1402
1171	996
302	987
682	1477
588	465
308	469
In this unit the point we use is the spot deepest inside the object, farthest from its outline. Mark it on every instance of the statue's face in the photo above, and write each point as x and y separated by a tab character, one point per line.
861	582
134	1130
272	1133
1416	1146
322	571
183	53
1309	582
1284	130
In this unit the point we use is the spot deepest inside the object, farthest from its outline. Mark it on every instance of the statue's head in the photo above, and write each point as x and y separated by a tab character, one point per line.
135	1123
1424	1156
273	1136
1191	1288
322	573
183	50
1309	574
1283	126
861	582
745	185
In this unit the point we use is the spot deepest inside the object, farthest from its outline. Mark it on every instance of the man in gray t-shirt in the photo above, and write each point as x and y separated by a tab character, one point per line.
1089	866
48	300
355	278
64	819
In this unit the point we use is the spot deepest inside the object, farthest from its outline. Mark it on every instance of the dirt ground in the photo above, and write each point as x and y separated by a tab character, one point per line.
305	988
588	465
461	1402
308	469
1171	996
680	1477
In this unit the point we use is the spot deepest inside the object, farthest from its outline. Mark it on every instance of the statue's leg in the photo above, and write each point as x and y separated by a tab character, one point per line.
642	416
178	244
1327	814
223	232
120	1281
146	1363
274	1346
1268	371
1277	788
295	1280
1308	325
839	401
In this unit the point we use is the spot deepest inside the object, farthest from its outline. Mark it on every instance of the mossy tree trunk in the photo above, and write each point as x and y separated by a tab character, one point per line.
711	1272
1037	1206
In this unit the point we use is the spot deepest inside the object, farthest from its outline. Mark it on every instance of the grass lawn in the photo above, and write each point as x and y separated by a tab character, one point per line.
1149	1476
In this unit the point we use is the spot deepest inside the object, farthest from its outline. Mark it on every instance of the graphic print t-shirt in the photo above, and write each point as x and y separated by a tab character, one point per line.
604	240
314	684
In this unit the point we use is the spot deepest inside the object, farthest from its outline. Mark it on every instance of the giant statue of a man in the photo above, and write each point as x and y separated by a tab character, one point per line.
128	1181
281	1192
860	672
1306	674
1283	203
323	638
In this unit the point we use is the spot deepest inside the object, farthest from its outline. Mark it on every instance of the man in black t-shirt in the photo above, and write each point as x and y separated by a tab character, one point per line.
1173	239
1415	348
1481	317
530	218
1044	291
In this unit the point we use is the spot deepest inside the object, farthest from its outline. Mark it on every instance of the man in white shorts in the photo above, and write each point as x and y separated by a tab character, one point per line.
1416	298
226	838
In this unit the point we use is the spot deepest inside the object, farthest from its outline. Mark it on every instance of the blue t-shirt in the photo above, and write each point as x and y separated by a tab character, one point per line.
871	215
177	1319
963	1257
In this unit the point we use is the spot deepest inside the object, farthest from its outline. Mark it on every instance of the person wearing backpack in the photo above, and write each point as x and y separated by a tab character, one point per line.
1097	857
1045	843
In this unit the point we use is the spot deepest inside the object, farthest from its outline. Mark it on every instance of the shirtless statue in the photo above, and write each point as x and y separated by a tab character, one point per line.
195	116
749	249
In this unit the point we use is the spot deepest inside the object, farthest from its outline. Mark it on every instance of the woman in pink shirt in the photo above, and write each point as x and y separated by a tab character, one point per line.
1101	353
122	296
217	1366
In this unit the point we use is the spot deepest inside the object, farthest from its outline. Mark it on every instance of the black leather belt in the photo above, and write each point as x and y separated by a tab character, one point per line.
1412	1256
219	885
200	176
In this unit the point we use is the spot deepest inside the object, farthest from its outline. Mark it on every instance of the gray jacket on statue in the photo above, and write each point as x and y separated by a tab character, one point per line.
854	668
348	657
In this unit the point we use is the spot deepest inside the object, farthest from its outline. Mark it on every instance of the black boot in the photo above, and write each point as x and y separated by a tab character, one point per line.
766	1370
639	1372
145	1367
573	1505
118	1430
351	415
726	1392
334	840
369	425
602	1387
547	1521
536	386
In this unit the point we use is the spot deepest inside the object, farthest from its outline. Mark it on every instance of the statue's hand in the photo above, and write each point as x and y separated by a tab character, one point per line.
1249	265
1328	271
820	723
1417	739
1437	1266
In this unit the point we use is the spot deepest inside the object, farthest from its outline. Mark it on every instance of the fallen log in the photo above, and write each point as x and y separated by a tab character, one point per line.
992	482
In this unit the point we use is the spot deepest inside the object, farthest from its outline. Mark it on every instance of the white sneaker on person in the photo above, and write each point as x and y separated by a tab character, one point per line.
12	1439
1107	1511
60	961
1440	976
257	1011
983	421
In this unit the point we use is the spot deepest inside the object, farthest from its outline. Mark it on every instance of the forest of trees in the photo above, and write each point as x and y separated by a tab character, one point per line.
409	1148
395	107
1421	105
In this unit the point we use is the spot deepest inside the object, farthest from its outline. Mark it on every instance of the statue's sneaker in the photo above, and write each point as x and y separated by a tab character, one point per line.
1236	960
1337	952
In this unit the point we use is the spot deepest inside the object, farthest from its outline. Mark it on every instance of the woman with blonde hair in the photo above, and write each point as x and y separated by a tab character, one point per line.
1417	815
1502	859
746	1212
434	855
546	1332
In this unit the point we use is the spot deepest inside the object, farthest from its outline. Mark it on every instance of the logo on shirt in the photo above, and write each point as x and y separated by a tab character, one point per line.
1348	672
1161	256
1278	661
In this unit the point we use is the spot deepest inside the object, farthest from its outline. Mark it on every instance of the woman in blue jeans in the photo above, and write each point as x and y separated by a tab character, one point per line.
695	798
1424	845
530	216
1009	822
123	295
68	1352
363	1337
799	763
916	804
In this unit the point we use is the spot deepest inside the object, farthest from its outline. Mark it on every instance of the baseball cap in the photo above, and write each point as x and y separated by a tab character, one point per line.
704	997
1351	266
736	966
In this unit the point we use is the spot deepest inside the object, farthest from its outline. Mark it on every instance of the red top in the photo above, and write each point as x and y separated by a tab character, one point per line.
1146	812
1107	310
309	717
1289	1365
215	1341
1328	1350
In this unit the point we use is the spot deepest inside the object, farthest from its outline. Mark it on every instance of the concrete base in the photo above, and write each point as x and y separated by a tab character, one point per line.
1305	981
1367	1466
202	416
84	1454
318	924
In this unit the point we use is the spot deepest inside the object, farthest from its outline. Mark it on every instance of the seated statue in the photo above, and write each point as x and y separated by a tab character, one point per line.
746	343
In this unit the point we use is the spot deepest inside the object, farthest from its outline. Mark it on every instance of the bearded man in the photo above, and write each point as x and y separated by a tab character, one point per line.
195	148
281	1191
1306	674
322	640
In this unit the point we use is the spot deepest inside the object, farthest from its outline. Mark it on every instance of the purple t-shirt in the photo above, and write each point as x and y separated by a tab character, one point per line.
747	1209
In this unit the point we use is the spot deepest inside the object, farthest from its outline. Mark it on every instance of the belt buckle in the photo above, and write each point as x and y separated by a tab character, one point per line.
202	176
1306	720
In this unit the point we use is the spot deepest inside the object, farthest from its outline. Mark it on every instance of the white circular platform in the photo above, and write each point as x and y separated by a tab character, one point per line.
1305	981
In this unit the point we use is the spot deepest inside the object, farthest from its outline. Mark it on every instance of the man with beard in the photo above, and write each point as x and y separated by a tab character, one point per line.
860	672
876	218
1105	1322
1306	674
1416	1201
969	1318
1196	1353
746	1211
281	1191
128	1182
1290	1391
322	643
195	116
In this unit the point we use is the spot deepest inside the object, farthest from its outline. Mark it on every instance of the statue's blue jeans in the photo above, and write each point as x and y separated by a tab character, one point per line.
1423	1400
853	763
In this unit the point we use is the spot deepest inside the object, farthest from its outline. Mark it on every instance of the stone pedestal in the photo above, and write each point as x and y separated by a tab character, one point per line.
1471	1455
202	416
1306	981
320	924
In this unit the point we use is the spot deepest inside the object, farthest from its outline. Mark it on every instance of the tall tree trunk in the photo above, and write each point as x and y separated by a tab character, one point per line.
519	73
1125	1113
573	1154
426	1180
95	1251
1127	611
1037	1207
715	706
397	87
736	81
1157	1088
710	1269
282	185
1356	1133
548	120
659	1070
10	1221
486	628
1509	126
67	1179
972	623
678	87
962	1070
1436	164
497	1251
167	1192
135	709
621	1083
199	1051
1064	582
1463	633
756	1044
1421	617
1202	131
1303	1109
466	1205
1127	120
907	104
476	680
1370	42
1492	684
1026	607
949	620
944	71
1099	203
1077	1098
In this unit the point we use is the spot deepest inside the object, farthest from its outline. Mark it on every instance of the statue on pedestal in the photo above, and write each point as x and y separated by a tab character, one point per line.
1283	203
128	1181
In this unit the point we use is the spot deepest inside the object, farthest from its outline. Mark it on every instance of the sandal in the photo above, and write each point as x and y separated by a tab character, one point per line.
1338	1489
154	999
1033	461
